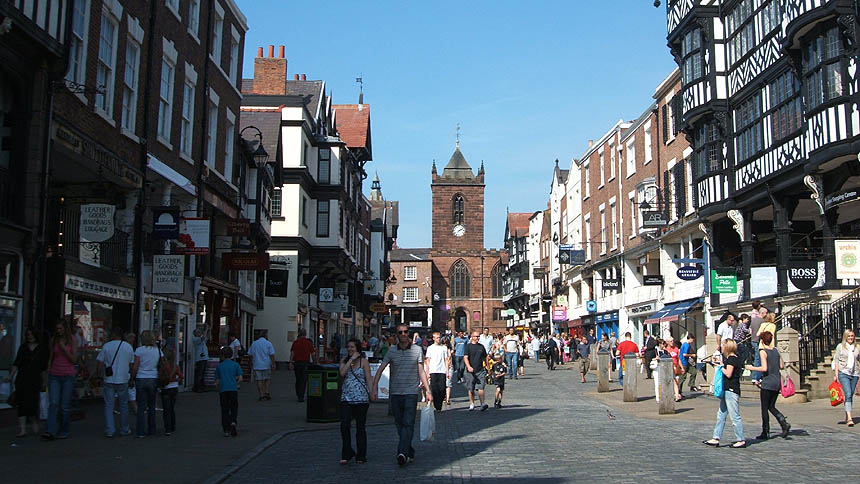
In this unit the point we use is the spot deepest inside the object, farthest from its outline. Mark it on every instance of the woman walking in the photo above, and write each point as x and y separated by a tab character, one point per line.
771	383
145	374
61	380
30	363
731	374
173	375
354	402
846	370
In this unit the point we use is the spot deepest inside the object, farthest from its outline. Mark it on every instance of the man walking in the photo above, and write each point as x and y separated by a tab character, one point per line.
550	350
301	356
584	350
511	344
726	329
650	347
626	346
486	339
201	356
688	362
436	360
476	375
262	354
114	362
407	372
613	348
460	342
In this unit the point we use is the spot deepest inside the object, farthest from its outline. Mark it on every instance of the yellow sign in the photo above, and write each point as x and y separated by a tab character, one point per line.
377	307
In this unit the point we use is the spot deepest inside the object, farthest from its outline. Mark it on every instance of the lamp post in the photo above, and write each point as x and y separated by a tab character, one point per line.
256	154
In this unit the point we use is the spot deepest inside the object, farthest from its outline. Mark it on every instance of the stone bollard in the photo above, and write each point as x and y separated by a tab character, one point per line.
631	377
667	387
593	356
602	371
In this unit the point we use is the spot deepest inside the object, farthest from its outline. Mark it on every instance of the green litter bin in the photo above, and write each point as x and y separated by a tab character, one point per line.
323	393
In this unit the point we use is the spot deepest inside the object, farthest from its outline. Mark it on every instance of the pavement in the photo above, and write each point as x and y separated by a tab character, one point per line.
551	429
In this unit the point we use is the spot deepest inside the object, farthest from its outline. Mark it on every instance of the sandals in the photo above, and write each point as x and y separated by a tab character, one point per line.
712	442
851	423
740	444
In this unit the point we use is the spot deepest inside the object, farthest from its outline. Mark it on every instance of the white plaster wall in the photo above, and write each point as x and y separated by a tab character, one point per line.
279	313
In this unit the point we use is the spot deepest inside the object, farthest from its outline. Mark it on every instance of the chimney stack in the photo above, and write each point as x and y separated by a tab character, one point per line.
304	77
270	73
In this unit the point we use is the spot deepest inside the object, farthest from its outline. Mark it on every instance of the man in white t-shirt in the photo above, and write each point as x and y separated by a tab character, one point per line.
486	339
726	329
115	357
436	360
262	354
235	345
511	343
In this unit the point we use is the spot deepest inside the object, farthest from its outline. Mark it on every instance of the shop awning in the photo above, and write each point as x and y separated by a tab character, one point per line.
672	311
574	323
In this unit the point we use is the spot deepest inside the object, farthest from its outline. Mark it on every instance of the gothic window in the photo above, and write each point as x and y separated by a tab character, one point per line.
821	67
496	277
459	210
787	114
460	280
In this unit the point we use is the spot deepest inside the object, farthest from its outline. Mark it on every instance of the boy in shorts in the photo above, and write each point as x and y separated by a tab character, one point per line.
499	370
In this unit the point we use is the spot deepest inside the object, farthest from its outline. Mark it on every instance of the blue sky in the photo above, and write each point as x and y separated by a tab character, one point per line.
528	82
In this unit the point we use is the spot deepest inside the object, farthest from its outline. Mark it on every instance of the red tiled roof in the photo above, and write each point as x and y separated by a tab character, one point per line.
352	122
518	224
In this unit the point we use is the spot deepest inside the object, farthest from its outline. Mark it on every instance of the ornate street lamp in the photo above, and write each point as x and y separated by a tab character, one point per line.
255	146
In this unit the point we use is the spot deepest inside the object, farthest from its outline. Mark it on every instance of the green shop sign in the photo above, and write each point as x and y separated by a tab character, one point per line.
723	282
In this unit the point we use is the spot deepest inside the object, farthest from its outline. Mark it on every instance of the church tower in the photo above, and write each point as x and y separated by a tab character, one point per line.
458	206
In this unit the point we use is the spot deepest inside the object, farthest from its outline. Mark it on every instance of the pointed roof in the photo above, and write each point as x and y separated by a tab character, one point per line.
518	224
457	166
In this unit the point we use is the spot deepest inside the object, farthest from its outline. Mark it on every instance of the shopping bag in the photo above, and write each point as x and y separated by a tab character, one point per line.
428	423
837	396
5	390
787	389
43	405
718	383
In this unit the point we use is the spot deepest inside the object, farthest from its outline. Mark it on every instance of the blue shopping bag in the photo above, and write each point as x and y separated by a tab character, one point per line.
718	383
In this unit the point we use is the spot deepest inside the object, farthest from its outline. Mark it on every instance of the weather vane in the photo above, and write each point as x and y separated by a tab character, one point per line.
458	134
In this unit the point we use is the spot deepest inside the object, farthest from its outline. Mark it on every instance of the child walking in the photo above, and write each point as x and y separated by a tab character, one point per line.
499	369
227	377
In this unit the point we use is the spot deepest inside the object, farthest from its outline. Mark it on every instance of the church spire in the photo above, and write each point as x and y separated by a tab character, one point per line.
376	189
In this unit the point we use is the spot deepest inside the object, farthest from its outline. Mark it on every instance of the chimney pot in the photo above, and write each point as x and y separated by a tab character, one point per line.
271	51
259	52
304	77
590	143
296	77
281	52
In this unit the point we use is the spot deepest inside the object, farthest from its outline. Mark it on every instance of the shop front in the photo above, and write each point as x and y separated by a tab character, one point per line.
678	318
606	323
637	315
11	332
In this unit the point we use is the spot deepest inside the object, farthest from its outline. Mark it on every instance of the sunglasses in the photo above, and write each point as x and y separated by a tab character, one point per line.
403	332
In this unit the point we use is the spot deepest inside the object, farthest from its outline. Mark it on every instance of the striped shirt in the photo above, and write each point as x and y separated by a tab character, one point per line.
404	369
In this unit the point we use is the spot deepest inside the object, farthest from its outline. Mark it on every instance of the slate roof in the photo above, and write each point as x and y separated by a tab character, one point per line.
518	224
269	124
457	167
392	215
407	255
310	91
352	122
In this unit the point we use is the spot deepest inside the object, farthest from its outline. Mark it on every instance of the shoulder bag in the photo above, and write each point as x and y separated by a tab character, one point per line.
109	369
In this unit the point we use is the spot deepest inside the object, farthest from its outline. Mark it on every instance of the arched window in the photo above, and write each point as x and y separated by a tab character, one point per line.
458	209
460	280
496	277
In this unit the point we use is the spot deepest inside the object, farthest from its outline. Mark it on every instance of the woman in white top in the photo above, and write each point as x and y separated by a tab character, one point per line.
145	374
846	370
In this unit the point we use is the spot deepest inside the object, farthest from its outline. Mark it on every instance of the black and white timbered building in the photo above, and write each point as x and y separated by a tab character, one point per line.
770	104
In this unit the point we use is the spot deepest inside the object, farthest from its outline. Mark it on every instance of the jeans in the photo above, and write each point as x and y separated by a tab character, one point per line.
691	371
404	408
168	402
301	368
437	389
511	360
146	388
768	404
199	371
849	384
117	391
537	355
357	411
459	367
229	409
60	392
729	405
756	375
620	373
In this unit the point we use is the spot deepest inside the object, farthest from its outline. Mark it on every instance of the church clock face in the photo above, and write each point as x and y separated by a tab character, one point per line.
459	230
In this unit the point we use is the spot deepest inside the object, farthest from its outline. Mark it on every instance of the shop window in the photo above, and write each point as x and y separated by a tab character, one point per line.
822	68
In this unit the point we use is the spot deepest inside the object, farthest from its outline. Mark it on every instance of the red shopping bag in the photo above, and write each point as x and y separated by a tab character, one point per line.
837	396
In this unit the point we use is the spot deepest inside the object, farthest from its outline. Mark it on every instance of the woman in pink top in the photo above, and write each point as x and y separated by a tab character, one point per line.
674	351
61	380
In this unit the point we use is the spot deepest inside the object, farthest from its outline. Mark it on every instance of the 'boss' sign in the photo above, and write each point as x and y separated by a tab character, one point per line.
803	274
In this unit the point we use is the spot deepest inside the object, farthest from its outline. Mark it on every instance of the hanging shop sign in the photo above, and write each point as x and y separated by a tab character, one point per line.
689	273
559	313
338	305
165	223
377	308
194	236
611	284
841	197
276	282
651	220
511	312
97	222
168	274
803	274
326	294
240	227
568	255
242	261
723	282
652	280
561	300
100	289
591	306
341	289
847	259
373	286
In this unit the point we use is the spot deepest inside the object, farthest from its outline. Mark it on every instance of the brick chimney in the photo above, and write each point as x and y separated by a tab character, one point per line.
270	73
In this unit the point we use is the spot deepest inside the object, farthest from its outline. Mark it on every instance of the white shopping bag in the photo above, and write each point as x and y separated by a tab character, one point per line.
428	423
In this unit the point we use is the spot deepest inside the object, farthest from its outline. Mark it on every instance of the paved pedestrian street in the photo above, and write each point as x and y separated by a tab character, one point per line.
552	430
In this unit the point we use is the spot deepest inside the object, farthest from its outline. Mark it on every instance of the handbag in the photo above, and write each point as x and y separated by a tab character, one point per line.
787	389
837	395
679	370
719	391
109	369
164	374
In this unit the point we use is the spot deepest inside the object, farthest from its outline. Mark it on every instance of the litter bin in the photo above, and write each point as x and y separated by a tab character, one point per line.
323	393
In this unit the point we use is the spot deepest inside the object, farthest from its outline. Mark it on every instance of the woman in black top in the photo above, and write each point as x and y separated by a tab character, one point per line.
731	374
28	373
771	383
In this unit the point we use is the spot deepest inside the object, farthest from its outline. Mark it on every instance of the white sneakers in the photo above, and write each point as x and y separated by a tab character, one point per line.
471	406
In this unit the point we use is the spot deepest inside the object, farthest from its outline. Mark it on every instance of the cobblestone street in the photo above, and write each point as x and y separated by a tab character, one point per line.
550	430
